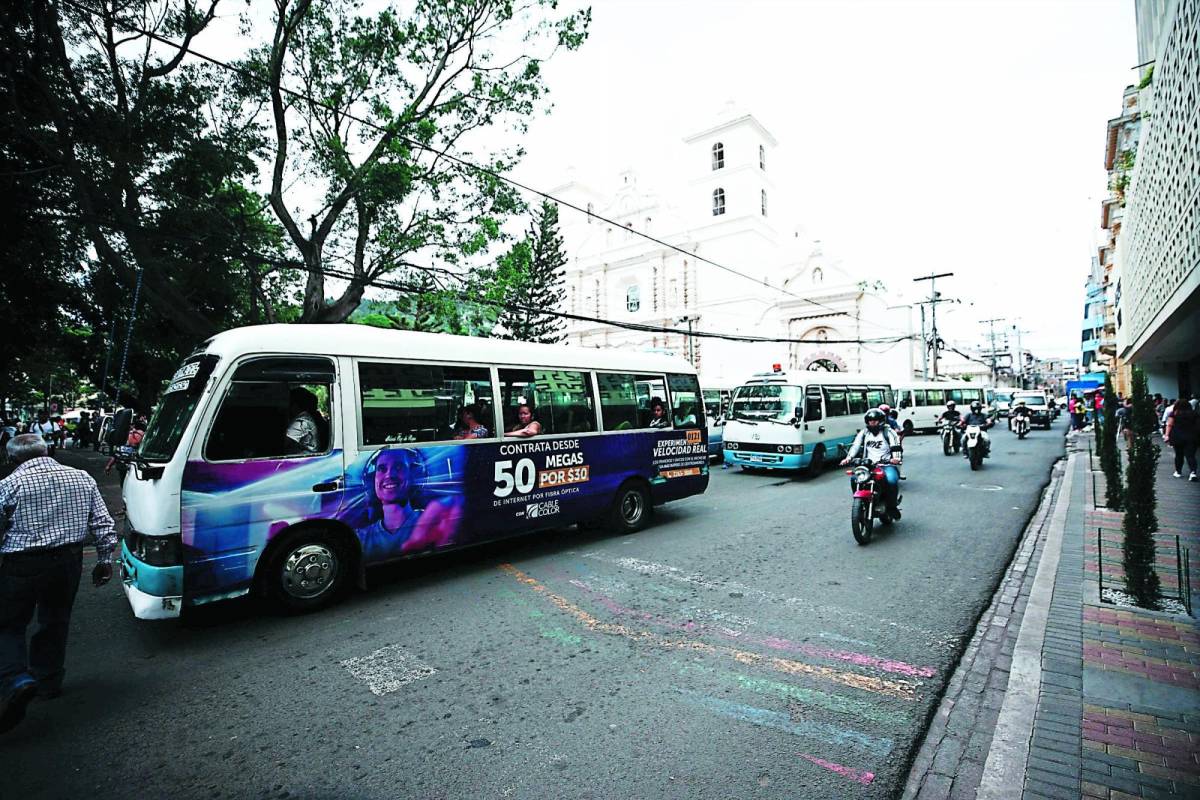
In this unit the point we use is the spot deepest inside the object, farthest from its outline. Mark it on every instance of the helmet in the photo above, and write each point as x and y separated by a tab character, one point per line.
950	405
885	408
976	405
874	415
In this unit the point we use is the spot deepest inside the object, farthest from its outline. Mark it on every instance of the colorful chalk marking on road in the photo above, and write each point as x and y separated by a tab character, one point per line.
779	721
772	642
894	688
856	775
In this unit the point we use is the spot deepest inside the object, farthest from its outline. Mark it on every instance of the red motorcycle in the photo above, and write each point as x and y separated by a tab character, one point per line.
868	503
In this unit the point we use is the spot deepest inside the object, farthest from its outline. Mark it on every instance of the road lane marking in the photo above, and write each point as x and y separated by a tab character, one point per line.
777	720
387	669
773	642
704	582
894	688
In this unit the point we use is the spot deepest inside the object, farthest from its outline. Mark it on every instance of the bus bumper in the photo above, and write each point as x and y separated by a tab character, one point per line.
737	458
152	592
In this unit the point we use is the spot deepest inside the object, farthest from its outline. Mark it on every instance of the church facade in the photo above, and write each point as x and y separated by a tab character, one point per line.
722	264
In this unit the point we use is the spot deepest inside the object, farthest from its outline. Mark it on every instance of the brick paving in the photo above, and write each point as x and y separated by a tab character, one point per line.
1118	703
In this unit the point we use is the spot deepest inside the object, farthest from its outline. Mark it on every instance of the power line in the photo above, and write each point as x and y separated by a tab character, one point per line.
450	157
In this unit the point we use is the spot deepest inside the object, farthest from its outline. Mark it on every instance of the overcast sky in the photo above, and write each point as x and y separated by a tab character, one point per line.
914	137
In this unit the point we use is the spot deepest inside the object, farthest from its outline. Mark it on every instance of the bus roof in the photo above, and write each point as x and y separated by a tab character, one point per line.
939	385
819	377
369	342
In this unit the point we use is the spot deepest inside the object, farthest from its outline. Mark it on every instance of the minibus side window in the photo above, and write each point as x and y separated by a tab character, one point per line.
874	397
688	410
561	399
425	403
835	401
649	388
858	399
618	400
274	408
919	397
936	397
905	396
812	404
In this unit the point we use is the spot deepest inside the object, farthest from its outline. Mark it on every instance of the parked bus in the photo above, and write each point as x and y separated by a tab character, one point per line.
920	403
799	420
716	407
285	459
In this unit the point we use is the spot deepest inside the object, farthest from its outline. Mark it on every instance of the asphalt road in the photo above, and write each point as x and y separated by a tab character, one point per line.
744	646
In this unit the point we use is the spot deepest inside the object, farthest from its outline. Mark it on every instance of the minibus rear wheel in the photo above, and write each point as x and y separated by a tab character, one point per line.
631	508
307	571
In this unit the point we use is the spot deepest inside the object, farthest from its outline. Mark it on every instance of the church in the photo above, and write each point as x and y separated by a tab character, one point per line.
714	259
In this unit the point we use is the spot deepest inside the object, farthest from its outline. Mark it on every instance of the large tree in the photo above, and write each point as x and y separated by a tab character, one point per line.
537	282
371	114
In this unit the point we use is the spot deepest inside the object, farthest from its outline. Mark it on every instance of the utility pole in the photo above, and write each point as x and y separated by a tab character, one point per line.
924	346
991	323
933	299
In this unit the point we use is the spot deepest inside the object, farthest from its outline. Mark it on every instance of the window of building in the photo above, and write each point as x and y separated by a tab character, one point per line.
763	196
718	156
274	408
561	399
686	401
762	157
633	299
424	403
718	202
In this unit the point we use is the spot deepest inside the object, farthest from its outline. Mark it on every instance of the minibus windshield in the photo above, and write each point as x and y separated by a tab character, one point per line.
772	402
175	410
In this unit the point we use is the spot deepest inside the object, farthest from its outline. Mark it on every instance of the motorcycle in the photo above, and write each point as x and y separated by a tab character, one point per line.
1021	426
951	443
868	502
973	444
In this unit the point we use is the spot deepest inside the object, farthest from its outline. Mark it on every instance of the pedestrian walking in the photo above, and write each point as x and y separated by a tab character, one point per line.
45	428
48	512
1183	428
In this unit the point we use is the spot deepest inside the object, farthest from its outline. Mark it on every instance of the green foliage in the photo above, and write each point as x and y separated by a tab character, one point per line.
1147	79
531	278
1140	521
1110	453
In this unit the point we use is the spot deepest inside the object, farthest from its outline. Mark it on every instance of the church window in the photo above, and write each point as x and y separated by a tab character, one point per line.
762	157
633	299
718	156
763	194
718	203
818	275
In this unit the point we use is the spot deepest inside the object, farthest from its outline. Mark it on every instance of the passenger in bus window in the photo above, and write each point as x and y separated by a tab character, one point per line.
471	428
526	424
304	431
658	414
684	418
396	526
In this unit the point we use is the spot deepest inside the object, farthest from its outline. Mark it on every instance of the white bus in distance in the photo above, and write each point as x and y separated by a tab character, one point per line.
799	420
920	403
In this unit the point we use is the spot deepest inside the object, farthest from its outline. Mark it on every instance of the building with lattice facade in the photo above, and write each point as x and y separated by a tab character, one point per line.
1156	296
721	260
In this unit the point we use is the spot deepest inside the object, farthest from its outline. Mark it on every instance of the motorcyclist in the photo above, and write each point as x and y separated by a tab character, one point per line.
976	417
1020	410
951	416
880	445
892	418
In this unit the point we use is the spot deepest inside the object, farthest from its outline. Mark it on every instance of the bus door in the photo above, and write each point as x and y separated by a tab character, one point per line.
269	457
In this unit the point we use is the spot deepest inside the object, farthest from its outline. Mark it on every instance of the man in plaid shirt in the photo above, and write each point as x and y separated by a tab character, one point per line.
48	512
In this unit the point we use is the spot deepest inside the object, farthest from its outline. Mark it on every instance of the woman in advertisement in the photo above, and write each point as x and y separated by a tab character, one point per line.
398	523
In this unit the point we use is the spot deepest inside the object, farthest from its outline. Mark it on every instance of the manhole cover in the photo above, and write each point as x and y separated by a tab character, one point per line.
983	487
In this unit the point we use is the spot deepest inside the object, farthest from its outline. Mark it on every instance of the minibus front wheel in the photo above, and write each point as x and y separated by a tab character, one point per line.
307	570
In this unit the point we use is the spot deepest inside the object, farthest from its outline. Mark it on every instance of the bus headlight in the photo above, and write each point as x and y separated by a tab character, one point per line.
157	551
731	445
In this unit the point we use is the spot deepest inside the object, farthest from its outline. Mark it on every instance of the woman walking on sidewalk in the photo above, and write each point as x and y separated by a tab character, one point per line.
1183	425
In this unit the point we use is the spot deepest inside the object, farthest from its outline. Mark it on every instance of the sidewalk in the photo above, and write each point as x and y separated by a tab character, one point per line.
1059	695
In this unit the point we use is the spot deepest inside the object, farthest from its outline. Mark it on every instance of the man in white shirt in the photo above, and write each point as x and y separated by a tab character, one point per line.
878	443
303	432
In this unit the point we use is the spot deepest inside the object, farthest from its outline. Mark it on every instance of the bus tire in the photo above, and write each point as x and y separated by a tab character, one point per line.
817	465
631	508
307	570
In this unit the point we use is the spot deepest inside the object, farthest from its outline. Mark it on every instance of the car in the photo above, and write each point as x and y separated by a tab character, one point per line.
1001	402
1037	404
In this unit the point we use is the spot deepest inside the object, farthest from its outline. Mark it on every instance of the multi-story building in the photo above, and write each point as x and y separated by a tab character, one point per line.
1156	292
711	252
1091	359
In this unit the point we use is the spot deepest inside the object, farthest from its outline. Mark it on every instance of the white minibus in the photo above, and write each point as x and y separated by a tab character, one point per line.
920	403
799	420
